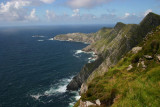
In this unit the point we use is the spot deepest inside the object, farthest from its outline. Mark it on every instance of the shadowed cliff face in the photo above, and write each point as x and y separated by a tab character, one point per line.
111	45
84	74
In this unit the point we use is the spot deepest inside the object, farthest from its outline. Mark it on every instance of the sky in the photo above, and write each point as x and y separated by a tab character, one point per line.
66	12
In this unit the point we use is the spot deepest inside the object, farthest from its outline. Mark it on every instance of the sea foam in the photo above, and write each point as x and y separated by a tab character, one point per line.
38	36
50	39
40	40
58	88
75	98
90	59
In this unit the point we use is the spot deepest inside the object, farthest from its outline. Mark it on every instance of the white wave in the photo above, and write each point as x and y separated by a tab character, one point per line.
38	36
40	40
92	59
51	39
79	51
86	43
74	98
60	87
36	96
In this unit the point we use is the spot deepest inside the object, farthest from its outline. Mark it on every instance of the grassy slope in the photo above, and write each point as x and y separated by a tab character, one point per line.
138	87
82	37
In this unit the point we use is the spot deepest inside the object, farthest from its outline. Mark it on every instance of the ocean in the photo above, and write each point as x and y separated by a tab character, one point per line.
35	70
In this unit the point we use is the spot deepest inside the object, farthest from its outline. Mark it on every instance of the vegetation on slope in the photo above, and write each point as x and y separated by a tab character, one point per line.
135	87
82	37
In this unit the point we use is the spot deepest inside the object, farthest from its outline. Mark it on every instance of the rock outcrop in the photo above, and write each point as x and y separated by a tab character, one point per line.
136	49
158	57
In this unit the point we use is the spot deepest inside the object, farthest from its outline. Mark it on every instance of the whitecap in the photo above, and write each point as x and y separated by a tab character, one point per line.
60	87
36	96
91	59
75	98
40	40
38	36
79	51
50	39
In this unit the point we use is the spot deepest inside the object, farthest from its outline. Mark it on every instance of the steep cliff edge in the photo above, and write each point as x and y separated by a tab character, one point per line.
111	45
133	81
116	43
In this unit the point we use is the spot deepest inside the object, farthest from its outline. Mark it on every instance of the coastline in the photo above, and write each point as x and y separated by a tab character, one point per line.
92	59
94	53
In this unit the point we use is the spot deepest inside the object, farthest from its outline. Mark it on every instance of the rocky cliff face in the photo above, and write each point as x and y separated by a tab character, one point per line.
111	45
127	38
133	81
77	81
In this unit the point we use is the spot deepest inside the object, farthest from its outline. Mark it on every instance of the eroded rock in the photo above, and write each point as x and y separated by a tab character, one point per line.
84	88
143	65
129	67
86	104
158	57
136	49
98	102
148	57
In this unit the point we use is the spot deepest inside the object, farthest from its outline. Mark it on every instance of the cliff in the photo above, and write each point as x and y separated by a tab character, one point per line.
111	45
133	81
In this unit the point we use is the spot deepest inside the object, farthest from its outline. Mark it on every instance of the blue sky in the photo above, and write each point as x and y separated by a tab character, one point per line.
61	12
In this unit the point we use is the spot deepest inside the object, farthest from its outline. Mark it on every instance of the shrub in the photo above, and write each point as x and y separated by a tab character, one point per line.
136	58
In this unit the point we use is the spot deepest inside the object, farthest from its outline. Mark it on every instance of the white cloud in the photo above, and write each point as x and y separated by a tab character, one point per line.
16	10
148	11
76	12
86	3
32	16
13	10
48	1
127	15
50	15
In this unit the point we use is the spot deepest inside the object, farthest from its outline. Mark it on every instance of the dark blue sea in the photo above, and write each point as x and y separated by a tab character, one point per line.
34	70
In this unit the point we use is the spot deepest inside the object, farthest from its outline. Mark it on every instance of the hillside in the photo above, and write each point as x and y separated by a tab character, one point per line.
114	44
134	81
101	81
82	37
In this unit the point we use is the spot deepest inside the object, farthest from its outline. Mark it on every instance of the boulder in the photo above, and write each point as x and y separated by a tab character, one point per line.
98	102
84	88
158	57
143	65
86	104
148	57
136	49
129	67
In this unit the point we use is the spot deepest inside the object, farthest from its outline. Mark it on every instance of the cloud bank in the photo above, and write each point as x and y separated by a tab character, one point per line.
85	3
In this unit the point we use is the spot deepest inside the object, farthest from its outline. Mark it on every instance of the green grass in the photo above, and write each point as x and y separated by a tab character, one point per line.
135	88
